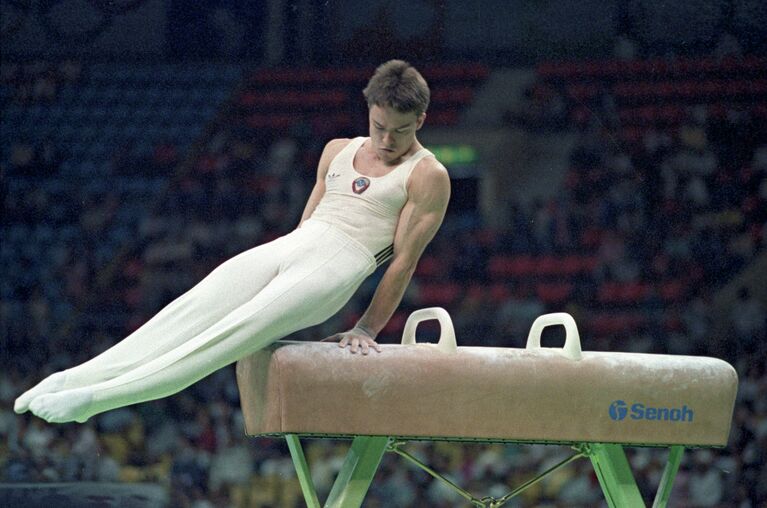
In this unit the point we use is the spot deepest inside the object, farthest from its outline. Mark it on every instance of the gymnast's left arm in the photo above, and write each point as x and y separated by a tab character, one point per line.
419	220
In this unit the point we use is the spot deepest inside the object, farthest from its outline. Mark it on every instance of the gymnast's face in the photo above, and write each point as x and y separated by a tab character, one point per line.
392	133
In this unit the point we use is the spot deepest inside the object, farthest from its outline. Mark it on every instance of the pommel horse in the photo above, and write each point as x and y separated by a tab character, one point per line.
595	402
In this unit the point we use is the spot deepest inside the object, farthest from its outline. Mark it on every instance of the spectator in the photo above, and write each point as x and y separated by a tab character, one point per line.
749	321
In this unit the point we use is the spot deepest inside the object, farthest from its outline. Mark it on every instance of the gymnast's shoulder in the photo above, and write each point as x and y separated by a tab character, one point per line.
431	173
334	146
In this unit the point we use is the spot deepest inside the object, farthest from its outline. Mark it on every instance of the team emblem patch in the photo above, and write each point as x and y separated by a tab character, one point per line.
360	185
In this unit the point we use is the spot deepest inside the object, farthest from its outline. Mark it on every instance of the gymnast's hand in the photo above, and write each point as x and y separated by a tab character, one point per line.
355	338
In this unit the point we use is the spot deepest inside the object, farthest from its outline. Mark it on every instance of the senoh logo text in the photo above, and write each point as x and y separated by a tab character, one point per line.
619	410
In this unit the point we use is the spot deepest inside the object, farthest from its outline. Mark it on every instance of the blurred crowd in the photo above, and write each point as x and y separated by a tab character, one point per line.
686	205
38	81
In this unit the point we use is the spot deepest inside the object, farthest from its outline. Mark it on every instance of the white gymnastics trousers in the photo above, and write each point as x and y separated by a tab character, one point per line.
251	300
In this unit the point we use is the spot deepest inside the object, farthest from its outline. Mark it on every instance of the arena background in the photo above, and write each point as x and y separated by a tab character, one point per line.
609	159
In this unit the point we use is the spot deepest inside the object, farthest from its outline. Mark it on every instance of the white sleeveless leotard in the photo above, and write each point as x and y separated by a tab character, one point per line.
366	208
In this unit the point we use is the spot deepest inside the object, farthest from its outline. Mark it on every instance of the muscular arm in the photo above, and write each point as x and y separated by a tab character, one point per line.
328	154
420	218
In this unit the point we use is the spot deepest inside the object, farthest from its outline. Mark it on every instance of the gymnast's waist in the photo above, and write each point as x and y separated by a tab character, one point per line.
377	255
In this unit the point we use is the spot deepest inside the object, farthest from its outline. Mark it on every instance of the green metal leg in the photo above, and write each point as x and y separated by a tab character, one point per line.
667	481
364	456
303	472
615	476
357	472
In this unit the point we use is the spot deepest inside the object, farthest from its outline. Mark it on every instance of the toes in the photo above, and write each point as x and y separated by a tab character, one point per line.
34	406
22	403
20	407
37	407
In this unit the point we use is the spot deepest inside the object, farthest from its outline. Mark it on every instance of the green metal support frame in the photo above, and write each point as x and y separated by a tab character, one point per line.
364	456
617	480
352	482
615	476
302	471
669	473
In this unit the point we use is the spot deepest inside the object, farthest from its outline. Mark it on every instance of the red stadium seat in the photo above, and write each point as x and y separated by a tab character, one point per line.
460	95
439	294
548	266
554	293
570	266
672	291
430	266
507	266
616	293
500	292
611	323
395	324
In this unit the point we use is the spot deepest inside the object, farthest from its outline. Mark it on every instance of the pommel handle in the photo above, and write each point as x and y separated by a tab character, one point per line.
447	332
572	347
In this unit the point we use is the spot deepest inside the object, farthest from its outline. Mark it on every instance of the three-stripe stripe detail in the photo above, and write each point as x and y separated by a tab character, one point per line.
384	255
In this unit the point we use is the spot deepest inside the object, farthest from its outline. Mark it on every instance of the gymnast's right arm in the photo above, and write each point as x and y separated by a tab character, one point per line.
328	154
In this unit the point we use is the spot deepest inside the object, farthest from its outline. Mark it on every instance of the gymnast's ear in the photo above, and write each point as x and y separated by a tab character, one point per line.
420	120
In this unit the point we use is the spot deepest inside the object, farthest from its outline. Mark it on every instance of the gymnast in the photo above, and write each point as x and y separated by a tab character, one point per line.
376	199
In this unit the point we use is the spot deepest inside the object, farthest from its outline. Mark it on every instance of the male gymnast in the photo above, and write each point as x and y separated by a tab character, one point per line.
376	199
